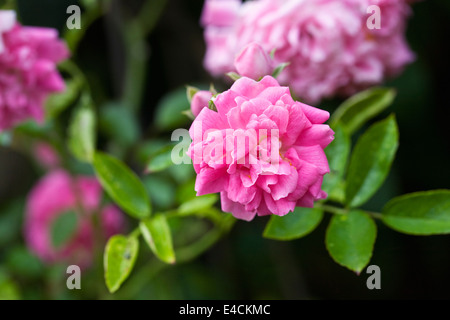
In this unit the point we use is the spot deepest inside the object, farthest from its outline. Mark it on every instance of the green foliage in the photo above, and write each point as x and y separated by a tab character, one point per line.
156	233
8	289
59	102
279	69
337	154
82	131
120	256
63	228
122	185
350	239
169	111
421	213
161	160
371	161
119	124
294	225
197	204
362	107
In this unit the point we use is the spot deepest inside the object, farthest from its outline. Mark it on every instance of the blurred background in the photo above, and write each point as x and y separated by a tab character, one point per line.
244	265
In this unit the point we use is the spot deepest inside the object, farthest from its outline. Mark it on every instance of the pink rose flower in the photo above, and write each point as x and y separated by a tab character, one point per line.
59	193
28	73
253	62
263	151
199	101
327	42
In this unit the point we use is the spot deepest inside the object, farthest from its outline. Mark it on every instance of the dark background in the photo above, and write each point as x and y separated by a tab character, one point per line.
245	265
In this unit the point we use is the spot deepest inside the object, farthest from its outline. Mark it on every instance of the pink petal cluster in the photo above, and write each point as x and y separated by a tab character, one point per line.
329	46
59	193
253	62
281	162
28	73
199	101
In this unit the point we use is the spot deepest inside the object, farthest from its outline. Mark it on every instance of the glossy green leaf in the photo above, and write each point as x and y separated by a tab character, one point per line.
198	204
63	228
371	161
169	112
82	133
421	213
119	259
350	239
156	233
122	185
337	154
362	107
294	225
161	160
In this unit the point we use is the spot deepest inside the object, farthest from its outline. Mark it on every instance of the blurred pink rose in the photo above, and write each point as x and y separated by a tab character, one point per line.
7	21
46	155
28	73
59	193
253	62
327	42
199	101
263	151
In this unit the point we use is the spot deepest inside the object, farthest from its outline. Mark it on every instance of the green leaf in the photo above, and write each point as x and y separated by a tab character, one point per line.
295	225
421	213
197	204
278	70
5	139
11	221
362	107
24	263
82	134
119	123
63	228
350	239
156	233
122	185
233	76
190	92
169	112
58	102
371	161
161	161
8	289
119	259
337	154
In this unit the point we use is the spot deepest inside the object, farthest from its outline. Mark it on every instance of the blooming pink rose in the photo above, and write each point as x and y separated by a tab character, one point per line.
253	62
327	42
28	73
263	151
199	101
59	193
